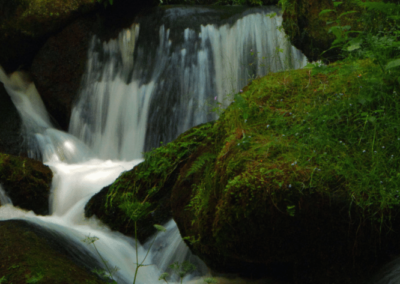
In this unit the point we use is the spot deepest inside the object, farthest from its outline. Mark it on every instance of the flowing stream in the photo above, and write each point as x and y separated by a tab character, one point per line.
156	80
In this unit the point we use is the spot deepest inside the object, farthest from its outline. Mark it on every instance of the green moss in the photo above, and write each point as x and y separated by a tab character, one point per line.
159	164
151	180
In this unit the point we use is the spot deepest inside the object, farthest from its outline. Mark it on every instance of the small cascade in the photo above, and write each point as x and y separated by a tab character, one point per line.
145	87
74	183
4	199
169	247
43	140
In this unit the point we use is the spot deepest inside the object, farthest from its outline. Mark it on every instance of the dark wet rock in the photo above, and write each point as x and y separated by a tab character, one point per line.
26	182
58	67
30	251
25	25
11	139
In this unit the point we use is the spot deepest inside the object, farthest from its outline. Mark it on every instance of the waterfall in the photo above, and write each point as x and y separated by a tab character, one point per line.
4	199
42	138
160	77
144	88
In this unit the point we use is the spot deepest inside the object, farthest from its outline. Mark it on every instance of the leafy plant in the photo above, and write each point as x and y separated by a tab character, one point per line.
109	271
180	269
135	210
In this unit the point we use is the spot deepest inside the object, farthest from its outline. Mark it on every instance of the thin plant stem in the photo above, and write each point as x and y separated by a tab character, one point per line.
137	255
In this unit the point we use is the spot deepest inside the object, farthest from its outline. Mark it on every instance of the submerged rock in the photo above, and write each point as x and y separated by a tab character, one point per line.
32	254
26	182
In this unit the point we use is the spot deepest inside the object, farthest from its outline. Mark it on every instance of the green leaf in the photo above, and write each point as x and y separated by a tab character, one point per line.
393	64
337	3
338	41
354	44
326	11
291	209
309	66
163	276
160	228
337	31
346	13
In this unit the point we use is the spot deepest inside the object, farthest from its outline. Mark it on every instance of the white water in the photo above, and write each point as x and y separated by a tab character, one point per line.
73	185
113	115
4	199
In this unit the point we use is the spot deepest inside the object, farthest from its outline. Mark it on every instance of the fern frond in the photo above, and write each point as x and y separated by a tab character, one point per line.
200	162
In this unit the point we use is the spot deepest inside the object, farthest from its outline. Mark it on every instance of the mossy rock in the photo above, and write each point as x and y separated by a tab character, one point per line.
27	182
281	188
32	254
152	181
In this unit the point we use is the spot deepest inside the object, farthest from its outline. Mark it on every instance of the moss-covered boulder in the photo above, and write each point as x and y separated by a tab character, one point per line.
32	254
26	182
298	175
291	184
150	181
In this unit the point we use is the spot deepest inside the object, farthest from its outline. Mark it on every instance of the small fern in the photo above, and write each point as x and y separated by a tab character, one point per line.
386	8
200	162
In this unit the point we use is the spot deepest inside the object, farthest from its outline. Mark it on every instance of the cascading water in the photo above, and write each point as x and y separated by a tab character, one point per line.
133	83
140	89
4	199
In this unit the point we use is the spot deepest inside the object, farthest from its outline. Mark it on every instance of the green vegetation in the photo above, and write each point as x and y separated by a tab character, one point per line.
153	178
295	147
136	212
